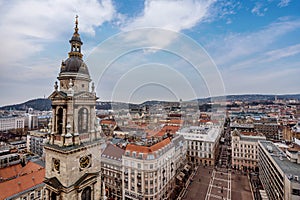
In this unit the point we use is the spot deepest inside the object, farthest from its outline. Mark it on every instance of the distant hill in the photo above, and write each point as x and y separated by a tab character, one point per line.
36	104
45	104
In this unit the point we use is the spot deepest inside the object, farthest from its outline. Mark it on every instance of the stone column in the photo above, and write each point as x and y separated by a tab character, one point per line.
64	121
53	120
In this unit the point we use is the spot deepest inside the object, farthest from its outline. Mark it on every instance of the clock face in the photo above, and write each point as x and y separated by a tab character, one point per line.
85	161
56	164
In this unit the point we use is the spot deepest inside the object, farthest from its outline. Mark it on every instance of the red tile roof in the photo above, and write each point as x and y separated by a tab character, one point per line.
108	122
15	170
145	149
34	175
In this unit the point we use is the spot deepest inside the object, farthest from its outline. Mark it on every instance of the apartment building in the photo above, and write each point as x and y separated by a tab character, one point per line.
270	130
11	122
36	141
111	169
203	143
278	173
149	171
244	152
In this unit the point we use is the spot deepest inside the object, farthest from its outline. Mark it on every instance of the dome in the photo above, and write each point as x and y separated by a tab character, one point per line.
75	65
76	38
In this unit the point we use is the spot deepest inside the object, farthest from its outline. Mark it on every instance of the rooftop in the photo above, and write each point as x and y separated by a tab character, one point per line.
29	176
113	152
145	150
288	168
201	133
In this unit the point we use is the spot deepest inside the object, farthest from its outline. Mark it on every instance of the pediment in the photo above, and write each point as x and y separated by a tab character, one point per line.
53	182
58	95
86	178
84	95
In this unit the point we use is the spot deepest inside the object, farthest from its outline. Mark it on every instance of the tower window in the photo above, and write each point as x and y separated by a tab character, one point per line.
82	85
83	120
59	120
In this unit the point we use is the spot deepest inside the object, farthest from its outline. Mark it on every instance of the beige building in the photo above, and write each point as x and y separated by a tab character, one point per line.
72	155
279	172
202	142
11	122
244	150
149	172
111	168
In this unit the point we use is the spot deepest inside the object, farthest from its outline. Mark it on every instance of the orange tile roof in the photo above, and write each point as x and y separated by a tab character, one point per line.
176	121
249	133
106	121
160	145
171	129
23	182
145	149
14	170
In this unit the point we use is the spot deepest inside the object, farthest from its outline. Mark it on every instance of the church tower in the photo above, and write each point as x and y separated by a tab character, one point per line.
73	151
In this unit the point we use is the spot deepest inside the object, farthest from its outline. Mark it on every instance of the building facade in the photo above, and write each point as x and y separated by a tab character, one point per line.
244	152
11	122
270	130
149	172
203	143
36	141
111	168
278	175
72	154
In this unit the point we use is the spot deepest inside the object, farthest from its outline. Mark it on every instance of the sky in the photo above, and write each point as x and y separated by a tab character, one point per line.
139	50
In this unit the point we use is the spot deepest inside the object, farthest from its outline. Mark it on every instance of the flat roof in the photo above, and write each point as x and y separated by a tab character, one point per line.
289	168
201	133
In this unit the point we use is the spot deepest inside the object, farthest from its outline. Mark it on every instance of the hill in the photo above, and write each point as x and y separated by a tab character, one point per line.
36	104
45	104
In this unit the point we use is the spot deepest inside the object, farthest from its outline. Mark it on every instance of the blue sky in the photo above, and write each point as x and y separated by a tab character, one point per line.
248	46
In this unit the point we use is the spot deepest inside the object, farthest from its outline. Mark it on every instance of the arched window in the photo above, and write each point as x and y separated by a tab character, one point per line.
59	120
83	120
86	194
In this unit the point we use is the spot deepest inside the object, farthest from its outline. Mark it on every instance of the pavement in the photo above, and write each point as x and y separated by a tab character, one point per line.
215	183
212	184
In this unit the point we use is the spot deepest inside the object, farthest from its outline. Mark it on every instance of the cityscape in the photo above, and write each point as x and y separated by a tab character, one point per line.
120	122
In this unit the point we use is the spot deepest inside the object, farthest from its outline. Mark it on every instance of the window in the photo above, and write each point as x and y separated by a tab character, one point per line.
32	196
53	196
83	120
39	193
296	192
86	194
59	120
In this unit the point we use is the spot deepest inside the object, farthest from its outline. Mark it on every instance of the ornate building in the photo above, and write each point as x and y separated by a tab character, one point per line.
72	161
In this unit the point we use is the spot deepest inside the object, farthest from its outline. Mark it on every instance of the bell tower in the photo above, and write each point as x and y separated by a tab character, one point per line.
74	148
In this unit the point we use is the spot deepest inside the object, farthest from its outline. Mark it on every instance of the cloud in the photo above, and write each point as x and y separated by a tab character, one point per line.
236	47
258	9
172	15
268	57
26	25
264	82
283	52
283	3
